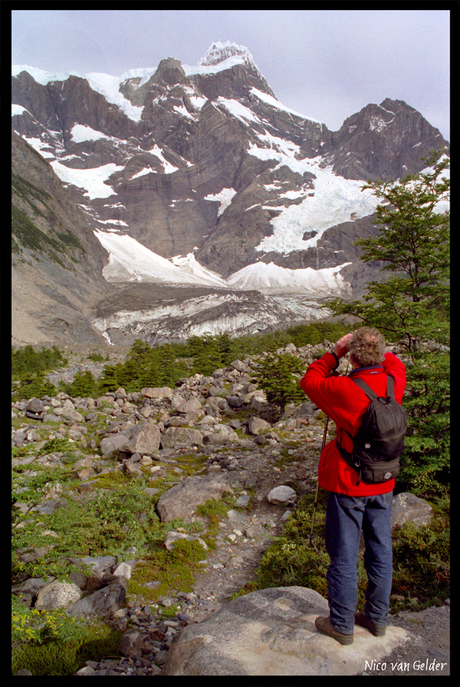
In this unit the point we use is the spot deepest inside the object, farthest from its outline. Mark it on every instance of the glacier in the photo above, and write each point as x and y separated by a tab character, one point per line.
130	261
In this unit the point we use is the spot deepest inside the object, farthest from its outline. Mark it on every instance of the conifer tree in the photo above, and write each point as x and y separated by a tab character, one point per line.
278	375
411	308
412	305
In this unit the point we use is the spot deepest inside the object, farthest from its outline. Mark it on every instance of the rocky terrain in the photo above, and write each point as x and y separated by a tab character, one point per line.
265	466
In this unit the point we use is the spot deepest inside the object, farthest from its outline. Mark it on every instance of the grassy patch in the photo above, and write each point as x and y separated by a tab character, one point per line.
174	570
215	510
105	522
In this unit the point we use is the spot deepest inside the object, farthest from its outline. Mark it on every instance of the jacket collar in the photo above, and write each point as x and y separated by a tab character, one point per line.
370	369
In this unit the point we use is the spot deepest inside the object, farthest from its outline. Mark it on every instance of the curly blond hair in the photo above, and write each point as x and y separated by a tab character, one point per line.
367	346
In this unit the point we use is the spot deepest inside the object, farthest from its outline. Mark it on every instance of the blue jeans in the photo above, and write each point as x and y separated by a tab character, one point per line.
346	516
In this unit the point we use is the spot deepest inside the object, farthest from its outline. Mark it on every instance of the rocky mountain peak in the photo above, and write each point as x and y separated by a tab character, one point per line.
383	140
229	70
219	52
169	72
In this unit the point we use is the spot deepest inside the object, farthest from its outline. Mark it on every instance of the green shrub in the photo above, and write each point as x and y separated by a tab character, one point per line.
106	522
33	385
54	643
82	385
421	557
27	359
425	461
292	559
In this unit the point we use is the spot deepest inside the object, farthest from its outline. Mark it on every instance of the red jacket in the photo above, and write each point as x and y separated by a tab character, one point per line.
345	403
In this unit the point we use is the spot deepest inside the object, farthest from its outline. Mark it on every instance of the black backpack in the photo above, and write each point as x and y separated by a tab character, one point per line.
380	439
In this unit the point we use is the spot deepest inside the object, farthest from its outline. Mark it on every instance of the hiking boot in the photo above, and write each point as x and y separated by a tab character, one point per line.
362	619
325	626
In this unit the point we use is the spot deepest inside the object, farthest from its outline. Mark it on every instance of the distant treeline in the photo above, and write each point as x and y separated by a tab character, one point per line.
164	365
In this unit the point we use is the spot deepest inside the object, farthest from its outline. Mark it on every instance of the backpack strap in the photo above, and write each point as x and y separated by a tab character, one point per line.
390	387
370	393
367	389
348	457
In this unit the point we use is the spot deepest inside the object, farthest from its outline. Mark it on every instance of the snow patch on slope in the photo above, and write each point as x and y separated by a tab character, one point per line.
269	100
81	133
131	261
106	85
224	197
92	180
334	201
271	278
238	110
190	266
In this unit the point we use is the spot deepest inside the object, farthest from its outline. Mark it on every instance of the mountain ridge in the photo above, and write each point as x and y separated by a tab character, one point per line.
205	162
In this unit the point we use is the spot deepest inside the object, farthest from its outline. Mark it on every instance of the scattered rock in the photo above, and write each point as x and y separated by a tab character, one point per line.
256	425
144	437
238	453
35	409
100	603
175	436
131	644
93	570
157	392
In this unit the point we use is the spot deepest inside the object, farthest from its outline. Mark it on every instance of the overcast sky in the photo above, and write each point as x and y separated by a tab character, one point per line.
325	63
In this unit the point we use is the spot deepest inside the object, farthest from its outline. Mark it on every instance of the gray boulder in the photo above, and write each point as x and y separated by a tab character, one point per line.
131	644
272	632
220	434
35	410
235	402
57	595
181	500
91	571
157	392
101	603
282	496
142	438
113	443
191	407
410	508
256	425
174	436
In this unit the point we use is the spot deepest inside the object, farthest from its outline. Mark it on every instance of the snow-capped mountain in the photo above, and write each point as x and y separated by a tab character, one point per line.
197	176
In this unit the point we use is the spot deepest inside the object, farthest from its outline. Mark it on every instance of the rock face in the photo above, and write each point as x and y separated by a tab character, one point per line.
361	151
185	160
57	261
272	632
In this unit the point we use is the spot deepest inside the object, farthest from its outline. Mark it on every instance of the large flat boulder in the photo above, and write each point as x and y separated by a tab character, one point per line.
272	632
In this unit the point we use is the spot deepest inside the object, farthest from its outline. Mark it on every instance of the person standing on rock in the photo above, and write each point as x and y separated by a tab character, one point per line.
353	504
